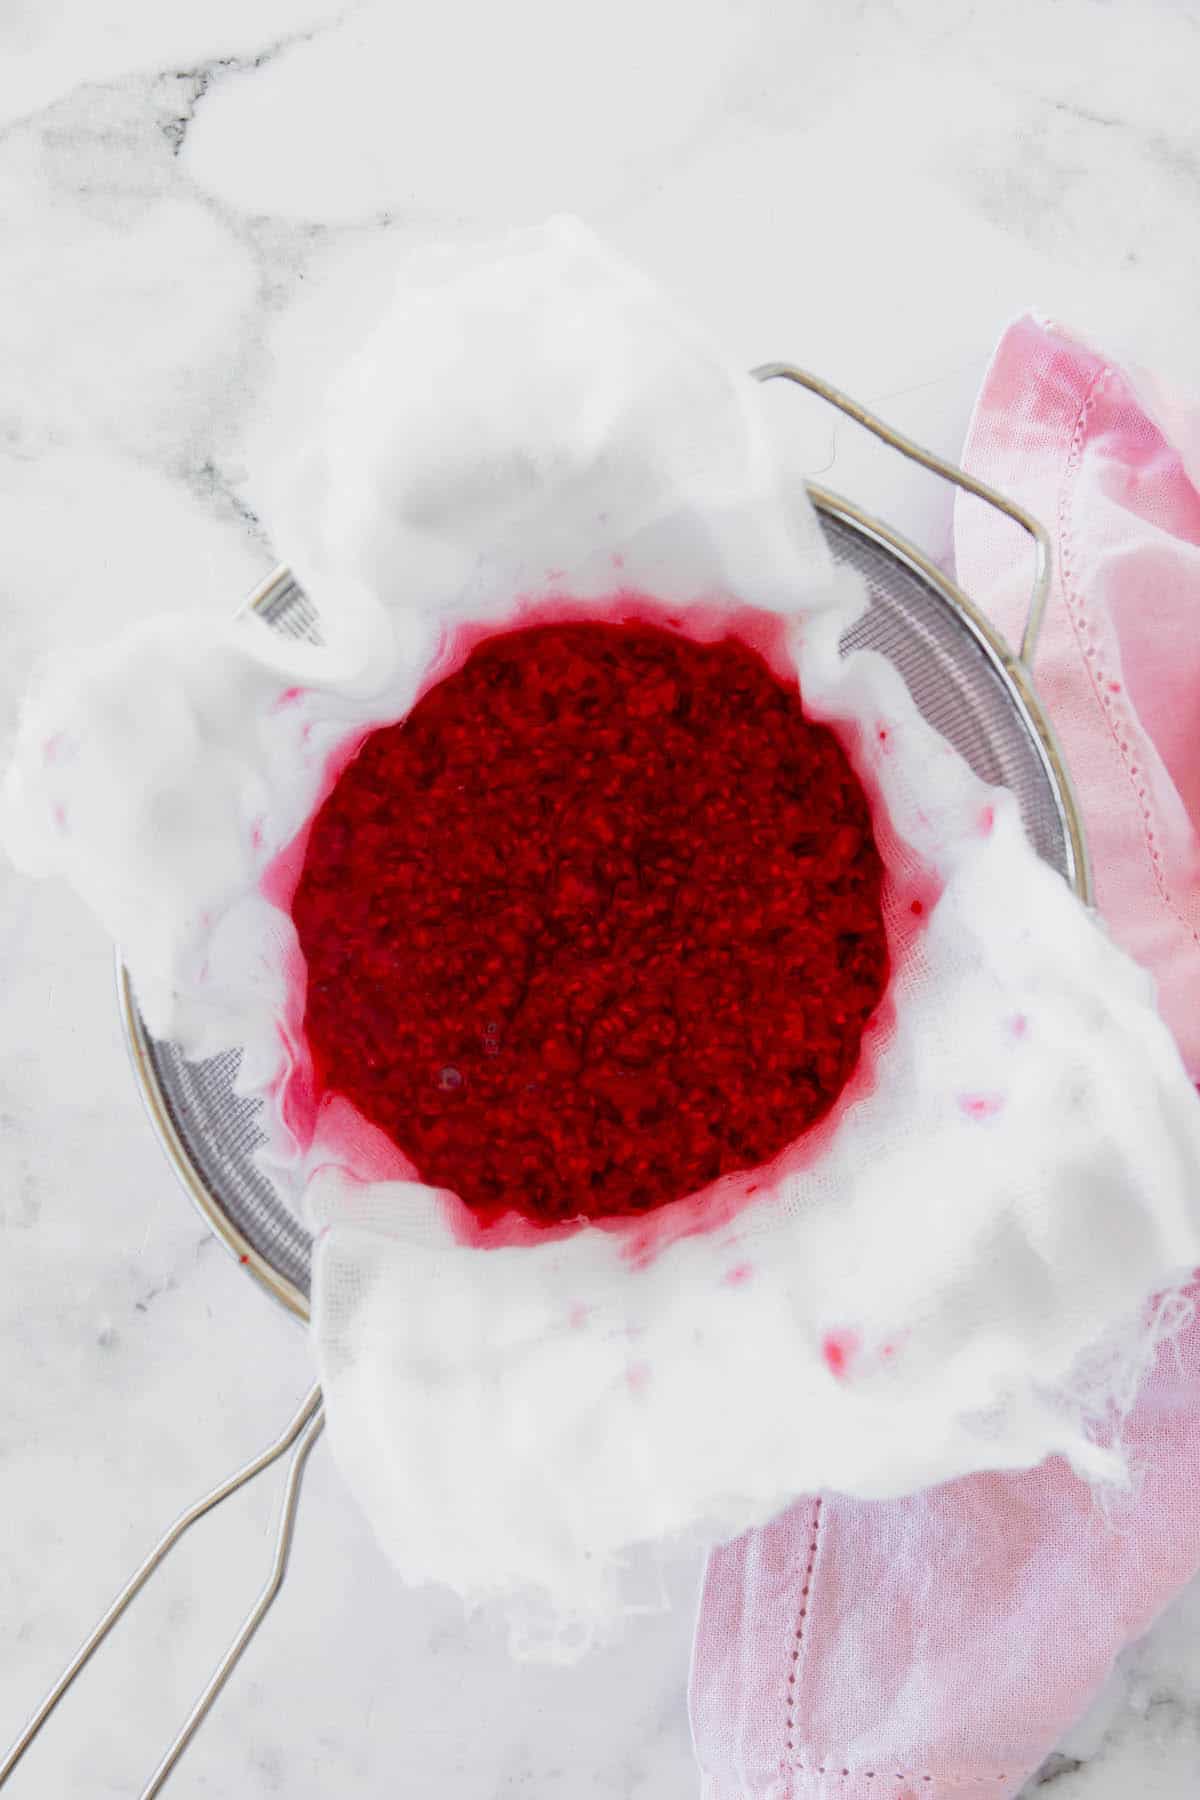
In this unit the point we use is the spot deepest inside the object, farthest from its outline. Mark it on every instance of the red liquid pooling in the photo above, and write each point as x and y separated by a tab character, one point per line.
597	923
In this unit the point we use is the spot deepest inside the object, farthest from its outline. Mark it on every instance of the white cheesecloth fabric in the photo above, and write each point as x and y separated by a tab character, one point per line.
964	1268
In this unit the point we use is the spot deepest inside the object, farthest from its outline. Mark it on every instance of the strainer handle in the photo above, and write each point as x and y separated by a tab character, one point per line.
301	1431
951	472
257	1613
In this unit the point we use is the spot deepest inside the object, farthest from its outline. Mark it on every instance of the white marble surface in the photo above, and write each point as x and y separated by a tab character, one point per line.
871	188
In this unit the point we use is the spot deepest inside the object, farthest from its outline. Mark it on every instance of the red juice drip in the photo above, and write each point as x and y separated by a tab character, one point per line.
596	924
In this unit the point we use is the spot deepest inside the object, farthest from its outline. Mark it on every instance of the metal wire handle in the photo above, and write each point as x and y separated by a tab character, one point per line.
303	1432
950	472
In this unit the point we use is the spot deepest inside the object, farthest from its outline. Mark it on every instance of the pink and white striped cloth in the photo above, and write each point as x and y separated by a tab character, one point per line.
937	1647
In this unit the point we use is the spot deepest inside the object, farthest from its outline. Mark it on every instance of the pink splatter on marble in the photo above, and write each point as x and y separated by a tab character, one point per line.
289	697
579	1315
987	820
738	1275
1019	1025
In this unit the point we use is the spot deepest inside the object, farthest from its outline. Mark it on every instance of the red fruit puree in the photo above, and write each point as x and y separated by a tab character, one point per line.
597	923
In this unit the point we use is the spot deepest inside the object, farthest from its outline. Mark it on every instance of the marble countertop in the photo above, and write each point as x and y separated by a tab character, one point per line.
872	189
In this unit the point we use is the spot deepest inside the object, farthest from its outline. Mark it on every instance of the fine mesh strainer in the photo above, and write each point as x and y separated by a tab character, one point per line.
963	678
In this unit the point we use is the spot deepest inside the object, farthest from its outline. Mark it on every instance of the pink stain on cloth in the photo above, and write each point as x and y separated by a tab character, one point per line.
939	1646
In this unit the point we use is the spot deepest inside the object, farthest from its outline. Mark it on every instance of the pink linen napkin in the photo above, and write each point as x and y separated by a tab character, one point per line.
1118	667
937	1647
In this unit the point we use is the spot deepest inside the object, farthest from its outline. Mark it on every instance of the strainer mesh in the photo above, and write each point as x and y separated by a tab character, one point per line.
954	682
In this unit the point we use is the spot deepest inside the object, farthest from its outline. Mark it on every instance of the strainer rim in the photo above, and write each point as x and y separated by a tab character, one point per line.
1013	674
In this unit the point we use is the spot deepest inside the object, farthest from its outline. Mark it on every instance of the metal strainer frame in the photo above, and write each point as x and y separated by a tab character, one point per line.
1062	842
